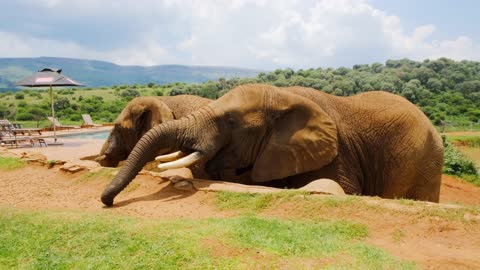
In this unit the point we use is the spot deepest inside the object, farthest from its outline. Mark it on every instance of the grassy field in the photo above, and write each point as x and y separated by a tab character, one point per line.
286	230
472	141
66	240
108	94
10	103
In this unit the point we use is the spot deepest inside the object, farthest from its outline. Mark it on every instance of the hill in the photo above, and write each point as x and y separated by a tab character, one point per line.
447	91
99	73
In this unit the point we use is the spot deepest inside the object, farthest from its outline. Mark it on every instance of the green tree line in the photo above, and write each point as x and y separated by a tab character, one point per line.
446	90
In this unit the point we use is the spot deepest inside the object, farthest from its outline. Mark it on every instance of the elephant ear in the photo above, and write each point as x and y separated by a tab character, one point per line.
303	138
143	113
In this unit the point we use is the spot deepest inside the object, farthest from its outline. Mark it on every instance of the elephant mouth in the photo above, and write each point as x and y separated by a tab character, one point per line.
106	160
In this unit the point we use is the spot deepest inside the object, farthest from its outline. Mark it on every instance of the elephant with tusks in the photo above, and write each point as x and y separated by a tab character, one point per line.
373	143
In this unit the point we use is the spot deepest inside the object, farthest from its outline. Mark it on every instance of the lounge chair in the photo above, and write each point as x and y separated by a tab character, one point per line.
88	122
8	139
59	126
17	128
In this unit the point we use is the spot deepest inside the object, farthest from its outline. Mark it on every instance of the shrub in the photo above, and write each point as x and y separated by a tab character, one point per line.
456	163
24	116
19	96
129	94
35	95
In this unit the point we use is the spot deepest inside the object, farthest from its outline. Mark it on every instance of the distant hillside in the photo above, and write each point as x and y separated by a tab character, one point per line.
99	73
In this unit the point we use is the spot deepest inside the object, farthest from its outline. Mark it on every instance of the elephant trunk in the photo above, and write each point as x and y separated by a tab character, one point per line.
161	136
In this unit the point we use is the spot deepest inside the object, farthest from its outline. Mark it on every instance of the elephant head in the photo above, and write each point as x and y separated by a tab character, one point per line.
139	116
262	129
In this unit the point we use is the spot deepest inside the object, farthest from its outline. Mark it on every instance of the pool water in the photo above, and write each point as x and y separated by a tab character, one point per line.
98	135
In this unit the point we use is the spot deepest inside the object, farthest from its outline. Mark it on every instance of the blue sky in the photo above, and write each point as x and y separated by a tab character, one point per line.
260	34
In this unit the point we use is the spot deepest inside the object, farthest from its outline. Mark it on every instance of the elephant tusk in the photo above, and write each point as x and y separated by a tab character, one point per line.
170	157
100	158
180	163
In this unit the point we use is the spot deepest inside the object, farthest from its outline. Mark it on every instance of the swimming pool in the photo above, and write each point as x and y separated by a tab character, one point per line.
102	135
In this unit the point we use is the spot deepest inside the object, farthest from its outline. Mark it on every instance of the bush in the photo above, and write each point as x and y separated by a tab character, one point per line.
129	94
24	116
456	163
35	95
19	96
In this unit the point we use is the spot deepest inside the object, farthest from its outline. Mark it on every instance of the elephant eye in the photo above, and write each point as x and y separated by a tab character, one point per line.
231	121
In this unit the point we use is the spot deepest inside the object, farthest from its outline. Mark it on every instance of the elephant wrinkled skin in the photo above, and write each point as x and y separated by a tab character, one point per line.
139	116
373	143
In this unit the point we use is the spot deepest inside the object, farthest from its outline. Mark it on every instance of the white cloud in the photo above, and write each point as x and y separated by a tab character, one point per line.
186	44
248	33
143	53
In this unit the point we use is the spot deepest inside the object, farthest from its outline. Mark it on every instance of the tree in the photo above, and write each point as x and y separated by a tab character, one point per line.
414	91
288	72
37	114
435	85
377	67
61	103
19	95
129	94
468	87
423	74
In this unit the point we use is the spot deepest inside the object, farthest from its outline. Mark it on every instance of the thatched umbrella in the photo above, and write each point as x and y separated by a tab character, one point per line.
48	77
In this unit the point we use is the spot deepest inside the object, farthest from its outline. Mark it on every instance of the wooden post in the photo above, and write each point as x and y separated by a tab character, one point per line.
53	115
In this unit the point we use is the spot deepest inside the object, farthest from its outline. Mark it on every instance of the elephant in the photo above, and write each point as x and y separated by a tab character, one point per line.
139	116
373	143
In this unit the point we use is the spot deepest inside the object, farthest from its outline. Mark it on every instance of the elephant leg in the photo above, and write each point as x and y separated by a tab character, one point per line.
412	183
427	189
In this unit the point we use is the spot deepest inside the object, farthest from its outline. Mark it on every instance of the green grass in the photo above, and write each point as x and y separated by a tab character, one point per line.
256	201
302	206
288	237
458	127
70	240
252	201
46	123
466	140
103	174
473	179
10	163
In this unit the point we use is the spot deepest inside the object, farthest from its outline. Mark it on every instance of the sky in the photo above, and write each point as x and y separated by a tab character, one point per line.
257	34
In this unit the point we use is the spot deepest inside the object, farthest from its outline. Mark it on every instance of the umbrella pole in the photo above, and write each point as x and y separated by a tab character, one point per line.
53	115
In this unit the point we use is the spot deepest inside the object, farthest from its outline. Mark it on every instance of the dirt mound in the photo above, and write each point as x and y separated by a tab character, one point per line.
37	187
